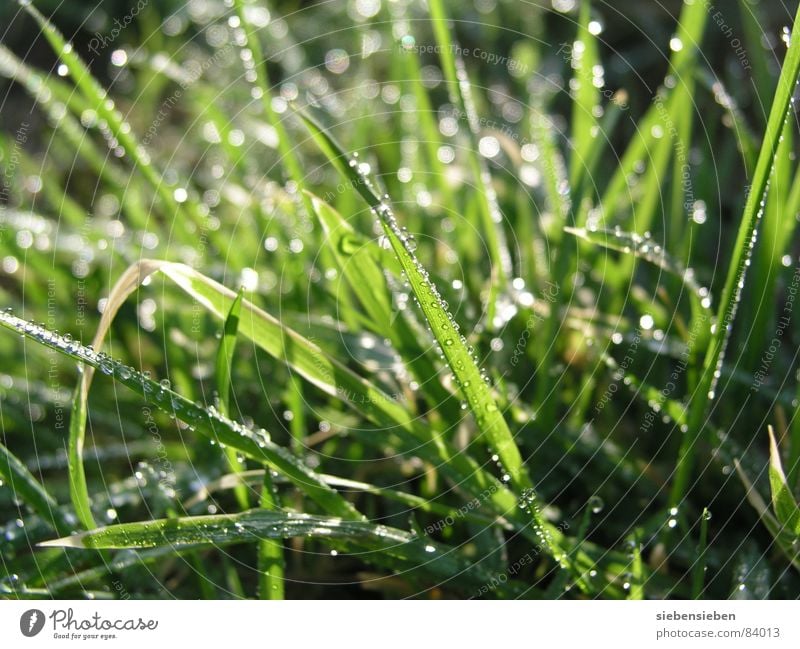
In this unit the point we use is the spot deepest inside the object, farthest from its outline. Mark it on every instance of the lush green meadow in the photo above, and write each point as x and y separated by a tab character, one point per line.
384	298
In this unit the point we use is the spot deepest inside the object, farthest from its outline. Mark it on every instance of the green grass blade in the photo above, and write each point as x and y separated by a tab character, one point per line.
444	328
636	590
262	82
329	375
271	562
460	90
26	488
248	527
651	251
208	421
459	357
415	502
667	114
585	62
270	552
78	489
225	351
737	269
358	262
224	363
784	539
699	565
373	543
783	503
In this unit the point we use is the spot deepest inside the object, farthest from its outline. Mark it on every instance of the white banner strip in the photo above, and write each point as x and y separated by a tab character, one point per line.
403	624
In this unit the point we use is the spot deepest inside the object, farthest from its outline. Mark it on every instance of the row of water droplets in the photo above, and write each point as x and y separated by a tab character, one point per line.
730	310
385	218
478	398
645	247
160	393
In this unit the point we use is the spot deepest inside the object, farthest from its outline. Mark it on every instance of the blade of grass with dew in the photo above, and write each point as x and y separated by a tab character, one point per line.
459	357
586	188
699	565
668	110
354	255
767	261
651	251
637	579
731	295
460	91
356	261
326	373
425	116
557	190
247	526
254	444
746	140
287	151
78	488
687	46
560	583
654	397
333	378
329	375
52	96
673	125
375	543
271	562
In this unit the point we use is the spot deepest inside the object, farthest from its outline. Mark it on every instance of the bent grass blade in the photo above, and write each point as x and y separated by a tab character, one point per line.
208	421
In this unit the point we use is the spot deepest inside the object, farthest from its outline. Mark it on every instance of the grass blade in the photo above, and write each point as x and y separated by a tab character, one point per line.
585	62
699	565
254	444
25	487
783	503
248	526
737	270
378	544
459	357
270	552
784	540
329	375
460	90
224	362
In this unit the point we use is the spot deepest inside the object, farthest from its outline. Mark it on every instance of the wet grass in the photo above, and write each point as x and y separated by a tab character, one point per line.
417	306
